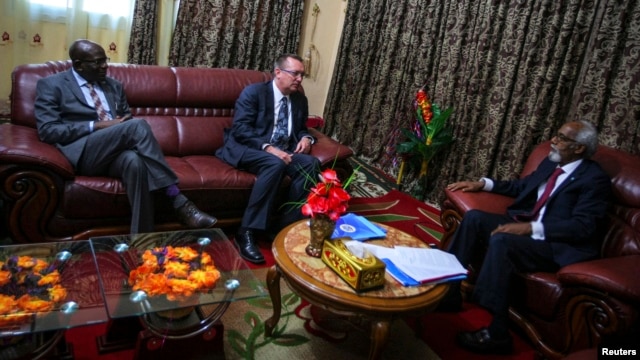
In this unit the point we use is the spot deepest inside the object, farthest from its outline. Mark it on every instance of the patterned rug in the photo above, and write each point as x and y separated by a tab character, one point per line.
299	336
369	182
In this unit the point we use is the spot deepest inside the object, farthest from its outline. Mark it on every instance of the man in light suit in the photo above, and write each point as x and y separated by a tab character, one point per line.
85	114
256	143
566	229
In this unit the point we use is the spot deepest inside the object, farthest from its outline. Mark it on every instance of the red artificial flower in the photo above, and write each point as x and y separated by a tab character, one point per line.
328	197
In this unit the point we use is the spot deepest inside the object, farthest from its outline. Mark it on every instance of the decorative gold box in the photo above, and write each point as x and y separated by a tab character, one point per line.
360	273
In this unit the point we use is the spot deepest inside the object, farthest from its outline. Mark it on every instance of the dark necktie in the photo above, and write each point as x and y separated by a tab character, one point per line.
280	136
102	113
546	193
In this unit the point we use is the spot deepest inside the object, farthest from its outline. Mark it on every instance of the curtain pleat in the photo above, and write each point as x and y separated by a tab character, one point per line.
143	40
245	34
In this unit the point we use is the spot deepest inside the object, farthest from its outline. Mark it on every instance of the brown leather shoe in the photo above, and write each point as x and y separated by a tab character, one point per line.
193	218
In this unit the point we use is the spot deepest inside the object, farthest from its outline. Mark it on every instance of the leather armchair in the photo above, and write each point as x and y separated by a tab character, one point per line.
583	303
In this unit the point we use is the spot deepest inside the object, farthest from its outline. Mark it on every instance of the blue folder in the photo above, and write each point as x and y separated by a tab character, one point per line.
358	228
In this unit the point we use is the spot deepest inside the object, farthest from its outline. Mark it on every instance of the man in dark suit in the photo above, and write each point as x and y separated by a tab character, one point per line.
535	234
269	138
85	114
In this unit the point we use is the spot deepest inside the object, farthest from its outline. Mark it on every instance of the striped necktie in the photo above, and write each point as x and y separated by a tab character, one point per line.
102	113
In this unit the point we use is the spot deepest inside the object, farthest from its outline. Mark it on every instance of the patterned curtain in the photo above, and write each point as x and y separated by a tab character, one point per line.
513	71
143	41
244	34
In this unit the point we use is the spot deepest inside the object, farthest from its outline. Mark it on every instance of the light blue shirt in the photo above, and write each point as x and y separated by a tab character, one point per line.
82	82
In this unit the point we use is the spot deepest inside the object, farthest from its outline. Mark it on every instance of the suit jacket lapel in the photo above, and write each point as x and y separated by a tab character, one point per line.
573	176
269	116
109	95
541	176
75	88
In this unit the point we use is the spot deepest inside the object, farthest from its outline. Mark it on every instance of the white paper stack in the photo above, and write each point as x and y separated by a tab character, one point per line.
415	266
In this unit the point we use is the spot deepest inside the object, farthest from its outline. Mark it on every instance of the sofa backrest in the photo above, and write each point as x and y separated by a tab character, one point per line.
188	108
623	235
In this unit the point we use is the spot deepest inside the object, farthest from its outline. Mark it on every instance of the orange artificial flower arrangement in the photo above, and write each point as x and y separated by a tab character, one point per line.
27	285
175	272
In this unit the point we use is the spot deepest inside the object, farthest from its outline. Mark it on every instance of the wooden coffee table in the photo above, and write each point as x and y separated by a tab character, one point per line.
315	282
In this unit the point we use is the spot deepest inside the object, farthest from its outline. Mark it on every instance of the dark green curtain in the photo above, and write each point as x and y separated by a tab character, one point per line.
245	34
514	72
144	37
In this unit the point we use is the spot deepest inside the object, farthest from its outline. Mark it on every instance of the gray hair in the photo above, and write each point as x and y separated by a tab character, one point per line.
587	136
283	58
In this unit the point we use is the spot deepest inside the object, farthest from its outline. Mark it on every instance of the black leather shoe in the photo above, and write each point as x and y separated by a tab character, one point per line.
247	247
482	342
193	218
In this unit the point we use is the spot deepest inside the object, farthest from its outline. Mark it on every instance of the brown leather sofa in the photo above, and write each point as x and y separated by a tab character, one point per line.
188	108
584	303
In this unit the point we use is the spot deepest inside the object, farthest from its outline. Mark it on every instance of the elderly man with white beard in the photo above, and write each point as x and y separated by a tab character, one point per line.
556	219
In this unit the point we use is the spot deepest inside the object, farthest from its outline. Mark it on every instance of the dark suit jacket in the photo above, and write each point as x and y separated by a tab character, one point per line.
63	114
253	122
575	213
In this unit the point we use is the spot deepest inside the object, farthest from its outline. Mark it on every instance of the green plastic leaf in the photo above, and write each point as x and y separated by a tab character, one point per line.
291	340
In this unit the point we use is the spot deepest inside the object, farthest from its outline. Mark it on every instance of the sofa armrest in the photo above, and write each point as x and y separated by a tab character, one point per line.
315	122
457	203
616	276
328	150
481	200
20	145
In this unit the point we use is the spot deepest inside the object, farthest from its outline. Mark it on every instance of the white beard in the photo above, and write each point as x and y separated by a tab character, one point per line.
554	155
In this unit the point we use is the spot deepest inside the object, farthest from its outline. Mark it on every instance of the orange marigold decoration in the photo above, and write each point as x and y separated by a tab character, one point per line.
28	285
174	271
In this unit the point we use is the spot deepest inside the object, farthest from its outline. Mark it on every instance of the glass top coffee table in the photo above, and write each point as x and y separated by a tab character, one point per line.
168	313
44	289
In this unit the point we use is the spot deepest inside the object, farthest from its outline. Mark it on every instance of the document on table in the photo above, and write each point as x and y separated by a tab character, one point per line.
415	266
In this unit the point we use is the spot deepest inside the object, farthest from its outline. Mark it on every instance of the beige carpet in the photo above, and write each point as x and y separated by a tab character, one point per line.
244	334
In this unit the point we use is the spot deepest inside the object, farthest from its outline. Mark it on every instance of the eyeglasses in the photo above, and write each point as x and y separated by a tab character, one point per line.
98	62
563	138
295	74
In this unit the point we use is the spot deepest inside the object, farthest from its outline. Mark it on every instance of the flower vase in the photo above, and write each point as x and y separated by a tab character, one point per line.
321	228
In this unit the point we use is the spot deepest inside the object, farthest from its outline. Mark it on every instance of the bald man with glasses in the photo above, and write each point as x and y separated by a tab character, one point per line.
85	114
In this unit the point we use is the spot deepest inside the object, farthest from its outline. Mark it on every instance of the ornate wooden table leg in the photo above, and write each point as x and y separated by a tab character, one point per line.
273	284
379	337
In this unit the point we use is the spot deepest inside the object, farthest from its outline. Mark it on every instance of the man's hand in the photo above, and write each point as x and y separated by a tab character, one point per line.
282	155
97	125
304	146
520	228
124	118
471	186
